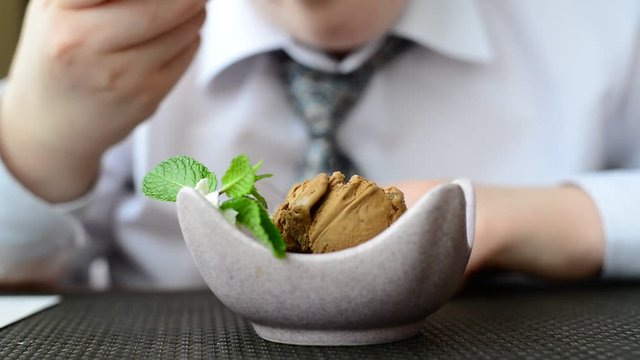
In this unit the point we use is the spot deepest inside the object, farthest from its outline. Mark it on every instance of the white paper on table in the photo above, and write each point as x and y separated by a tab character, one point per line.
14	308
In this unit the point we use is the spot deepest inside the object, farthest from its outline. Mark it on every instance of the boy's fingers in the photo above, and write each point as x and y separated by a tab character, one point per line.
178	64
174	68
128	23
160	50
78	4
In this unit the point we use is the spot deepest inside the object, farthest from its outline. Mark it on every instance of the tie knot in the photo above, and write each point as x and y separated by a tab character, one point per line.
323	101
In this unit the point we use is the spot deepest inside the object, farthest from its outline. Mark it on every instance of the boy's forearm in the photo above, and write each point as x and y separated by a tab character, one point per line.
550	232
554	232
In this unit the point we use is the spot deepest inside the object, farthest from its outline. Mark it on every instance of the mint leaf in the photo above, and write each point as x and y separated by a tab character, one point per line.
263	176
167	178
259	198
257	166
278	245
248	215
239	178
256	219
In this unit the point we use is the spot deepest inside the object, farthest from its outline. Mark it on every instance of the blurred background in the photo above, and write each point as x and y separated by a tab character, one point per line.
11	12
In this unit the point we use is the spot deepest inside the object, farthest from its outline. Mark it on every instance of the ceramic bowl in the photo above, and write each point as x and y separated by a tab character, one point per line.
379	291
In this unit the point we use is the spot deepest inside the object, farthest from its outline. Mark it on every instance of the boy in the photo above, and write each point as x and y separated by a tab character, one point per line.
531	100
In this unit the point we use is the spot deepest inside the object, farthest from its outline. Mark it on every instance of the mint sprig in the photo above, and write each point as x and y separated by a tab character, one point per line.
238	183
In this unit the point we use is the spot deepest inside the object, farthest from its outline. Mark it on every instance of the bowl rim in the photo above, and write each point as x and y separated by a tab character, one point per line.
465	185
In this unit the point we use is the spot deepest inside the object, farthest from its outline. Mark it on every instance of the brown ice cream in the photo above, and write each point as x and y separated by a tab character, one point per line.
324	214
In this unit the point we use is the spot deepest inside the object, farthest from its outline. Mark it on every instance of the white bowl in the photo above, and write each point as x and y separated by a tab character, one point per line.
379	291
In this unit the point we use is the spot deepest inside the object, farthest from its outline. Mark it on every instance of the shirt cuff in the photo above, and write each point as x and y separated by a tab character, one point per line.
8	183
78	206
617	197
39	241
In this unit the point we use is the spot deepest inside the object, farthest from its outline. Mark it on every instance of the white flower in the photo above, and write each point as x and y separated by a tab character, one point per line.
202	187
230	215
214	198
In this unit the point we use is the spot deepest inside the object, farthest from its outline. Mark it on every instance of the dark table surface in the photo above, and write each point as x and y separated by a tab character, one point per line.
592	321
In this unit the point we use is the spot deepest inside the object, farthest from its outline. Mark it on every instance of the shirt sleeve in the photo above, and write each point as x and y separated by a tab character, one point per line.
49	243
617	196
617	192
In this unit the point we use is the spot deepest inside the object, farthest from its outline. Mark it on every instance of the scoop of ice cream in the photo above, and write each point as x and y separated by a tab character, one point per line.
324	214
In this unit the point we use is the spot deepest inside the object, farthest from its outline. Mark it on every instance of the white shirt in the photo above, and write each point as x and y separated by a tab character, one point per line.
502	92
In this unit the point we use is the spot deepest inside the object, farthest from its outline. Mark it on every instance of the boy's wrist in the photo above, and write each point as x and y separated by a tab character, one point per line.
494	230
53	173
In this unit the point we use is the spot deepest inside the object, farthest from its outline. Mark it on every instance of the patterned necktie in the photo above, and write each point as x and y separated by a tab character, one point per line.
323	100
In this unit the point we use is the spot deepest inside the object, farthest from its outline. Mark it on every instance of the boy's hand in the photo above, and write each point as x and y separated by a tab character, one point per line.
85	74
554	233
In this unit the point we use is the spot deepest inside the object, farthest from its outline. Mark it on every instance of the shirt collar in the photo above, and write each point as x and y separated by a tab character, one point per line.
234	32
454	28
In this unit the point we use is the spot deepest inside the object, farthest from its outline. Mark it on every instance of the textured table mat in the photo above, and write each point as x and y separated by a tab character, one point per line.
594	322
